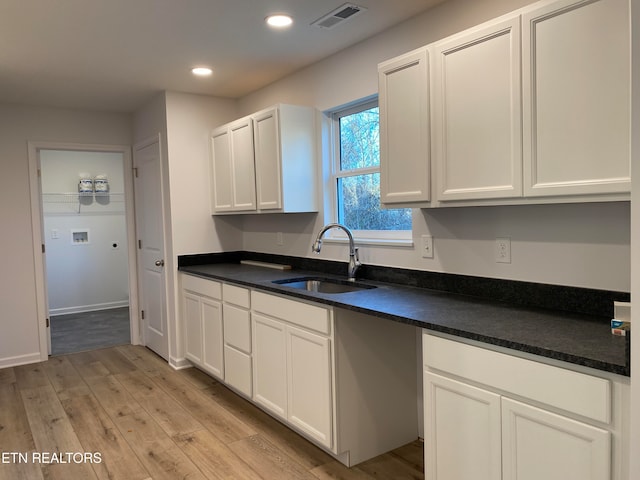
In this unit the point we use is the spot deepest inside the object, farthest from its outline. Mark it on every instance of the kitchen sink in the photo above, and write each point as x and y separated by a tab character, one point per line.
323	285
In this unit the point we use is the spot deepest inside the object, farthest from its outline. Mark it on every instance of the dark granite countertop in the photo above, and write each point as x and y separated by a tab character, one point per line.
576	338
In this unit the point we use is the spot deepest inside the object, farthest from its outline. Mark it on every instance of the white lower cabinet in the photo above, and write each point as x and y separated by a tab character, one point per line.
292	376
309	384
346	381
292	365
211	334
490	415
202	317
238	371
270	365
540	444
462	430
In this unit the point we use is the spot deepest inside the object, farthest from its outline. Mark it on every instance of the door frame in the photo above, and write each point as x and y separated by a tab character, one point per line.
42	302
169	305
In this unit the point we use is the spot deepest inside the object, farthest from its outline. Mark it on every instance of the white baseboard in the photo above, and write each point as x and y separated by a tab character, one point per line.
20	360
179	363
88	308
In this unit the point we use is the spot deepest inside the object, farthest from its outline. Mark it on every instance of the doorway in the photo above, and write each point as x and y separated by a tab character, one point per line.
86	232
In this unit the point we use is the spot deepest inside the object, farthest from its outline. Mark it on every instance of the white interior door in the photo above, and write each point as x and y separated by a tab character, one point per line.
151	253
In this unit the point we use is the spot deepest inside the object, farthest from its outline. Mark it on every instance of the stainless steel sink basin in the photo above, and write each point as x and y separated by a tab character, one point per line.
323	285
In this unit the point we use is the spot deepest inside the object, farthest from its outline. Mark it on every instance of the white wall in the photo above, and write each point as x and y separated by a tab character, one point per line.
84	276
352	73
584	245
190	119
19	341
184	122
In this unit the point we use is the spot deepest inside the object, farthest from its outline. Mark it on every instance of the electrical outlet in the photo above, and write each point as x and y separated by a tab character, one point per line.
503	250
279	239
427	246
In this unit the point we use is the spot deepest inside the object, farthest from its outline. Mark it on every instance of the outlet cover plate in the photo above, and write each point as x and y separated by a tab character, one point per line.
503	250
427	246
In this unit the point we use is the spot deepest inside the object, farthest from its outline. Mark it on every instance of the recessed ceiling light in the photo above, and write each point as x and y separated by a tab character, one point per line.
279	21
201	71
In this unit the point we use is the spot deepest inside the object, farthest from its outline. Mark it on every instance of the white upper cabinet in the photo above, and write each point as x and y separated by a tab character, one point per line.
285	153
404	129
266	162
221	192
267	150
233	178
532	107
477	116
576	98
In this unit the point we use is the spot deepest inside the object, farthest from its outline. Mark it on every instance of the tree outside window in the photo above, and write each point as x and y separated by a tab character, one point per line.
357	173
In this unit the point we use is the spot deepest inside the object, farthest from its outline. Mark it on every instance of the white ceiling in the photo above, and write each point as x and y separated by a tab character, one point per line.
115	54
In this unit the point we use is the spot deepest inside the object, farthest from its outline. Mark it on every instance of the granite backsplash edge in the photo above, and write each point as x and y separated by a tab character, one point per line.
527	294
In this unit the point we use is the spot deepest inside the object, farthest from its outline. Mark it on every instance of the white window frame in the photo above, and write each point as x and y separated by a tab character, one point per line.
401	238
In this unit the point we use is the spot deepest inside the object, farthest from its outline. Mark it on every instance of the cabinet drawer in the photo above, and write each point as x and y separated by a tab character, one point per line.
202	286
237	370
558	387
236	295
302	314
237	327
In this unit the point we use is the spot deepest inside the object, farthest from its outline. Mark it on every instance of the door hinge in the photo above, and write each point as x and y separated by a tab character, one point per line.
47	322
43	249
139	244
135	172
142	314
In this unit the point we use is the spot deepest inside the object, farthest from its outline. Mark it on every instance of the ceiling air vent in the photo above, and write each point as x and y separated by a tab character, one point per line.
339	15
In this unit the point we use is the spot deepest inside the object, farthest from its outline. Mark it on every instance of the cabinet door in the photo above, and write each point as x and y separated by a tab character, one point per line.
266	135
237	370
269	364
310	397
212	355
462	431
477	121
576	98
221	186
539	444
192	327
243	165
237	328
404	129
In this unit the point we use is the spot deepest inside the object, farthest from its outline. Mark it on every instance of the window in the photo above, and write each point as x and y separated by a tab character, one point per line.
356	176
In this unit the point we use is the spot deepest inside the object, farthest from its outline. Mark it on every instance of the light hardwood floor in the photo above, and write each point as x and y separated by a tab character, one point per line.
148	421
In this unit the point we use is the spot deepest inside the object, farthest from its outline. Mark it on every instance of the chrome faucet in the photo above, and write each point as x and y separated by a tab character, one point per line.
354	262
